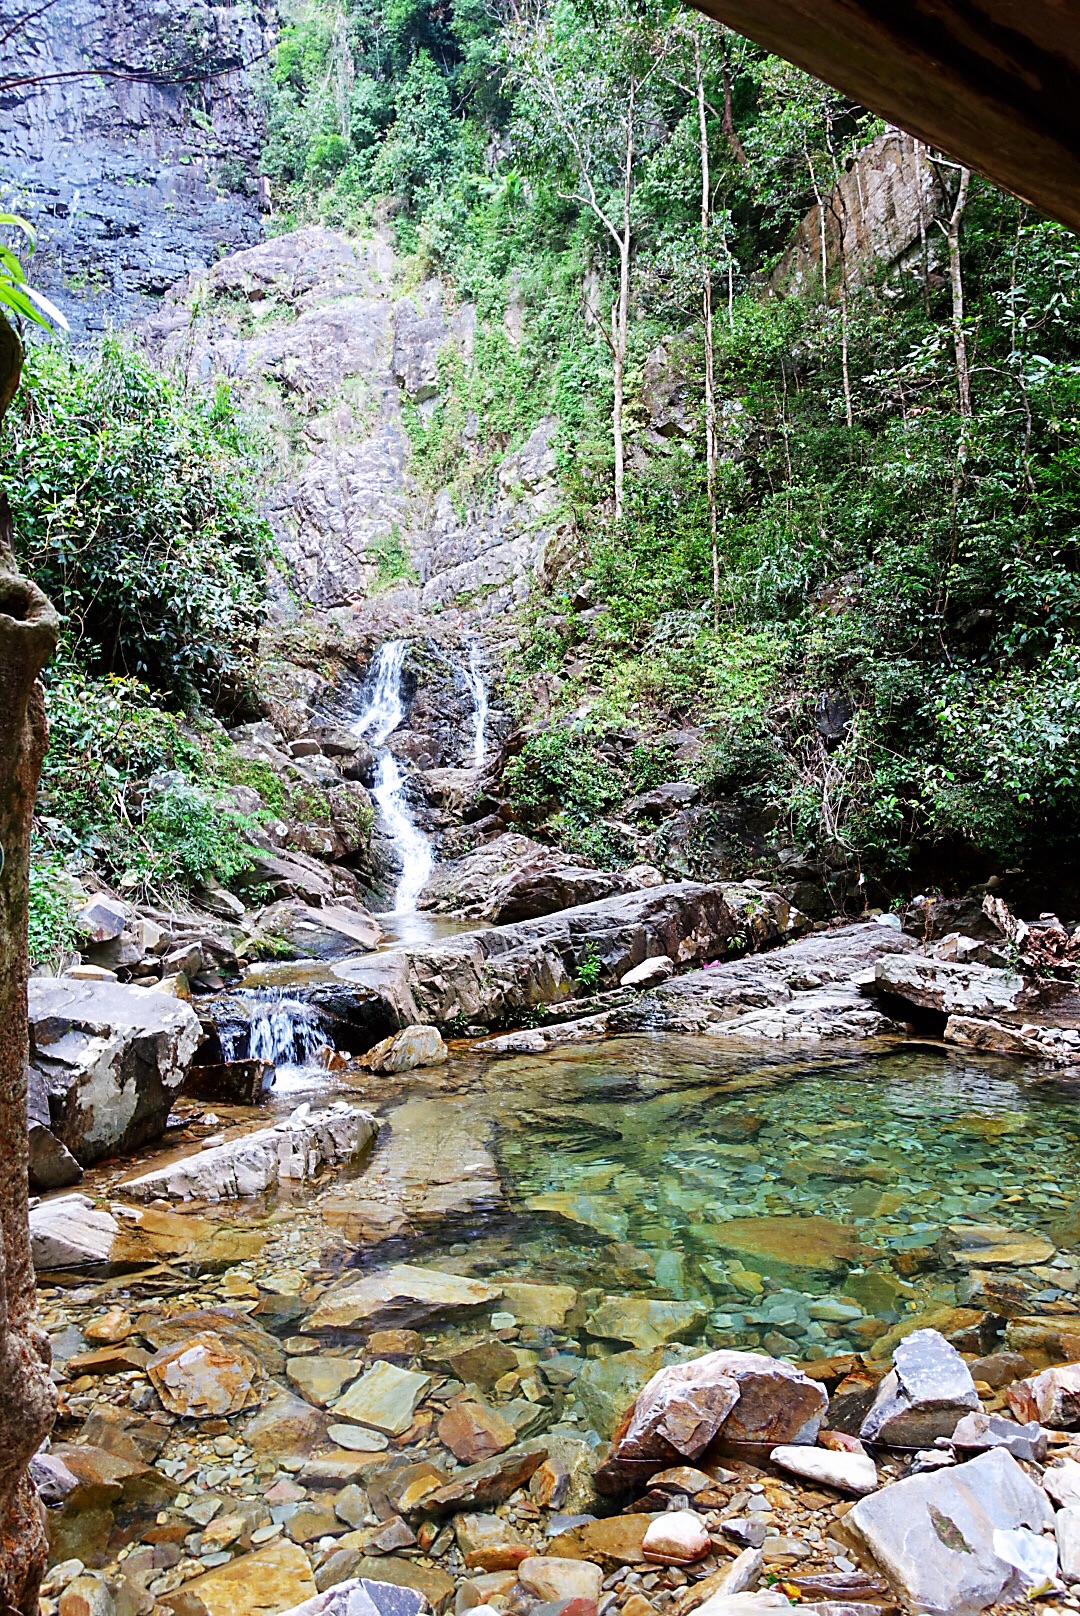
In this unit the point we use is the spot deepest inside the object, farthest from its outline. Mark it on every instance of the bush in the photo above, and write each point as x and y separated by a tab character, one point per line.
134	512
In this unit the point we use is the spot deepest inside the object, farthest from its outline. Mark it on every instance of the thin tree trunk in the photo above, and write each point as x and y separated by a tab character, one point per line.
620	314
956	281
923	248
727	123
707	321
28	629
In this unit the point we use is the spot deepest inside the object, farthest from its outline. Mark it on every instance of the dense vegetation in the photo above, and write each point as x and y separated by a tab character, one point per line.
896	487
132	508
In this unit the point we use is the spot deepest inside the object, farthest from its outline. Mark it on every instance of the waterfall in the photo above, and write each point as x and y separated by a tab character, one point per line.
283	1031
378	721
480	705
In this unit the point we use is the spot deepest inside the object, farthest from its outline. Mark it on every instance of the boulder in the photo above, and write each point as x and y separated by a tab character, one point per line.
1052	1398
924	1396
547	1577
295	1149
978	1432
273	1579
412	1047
951	988
738	1396
513	878
934	1535
1067	1532
112	1059
102	918
678	1537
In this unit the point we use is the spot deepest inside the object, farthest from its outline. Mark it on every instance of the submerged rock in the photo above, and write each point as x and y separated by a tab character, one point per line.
934	1535
203	1378
645	1323
399	1295
295	1148
113	1059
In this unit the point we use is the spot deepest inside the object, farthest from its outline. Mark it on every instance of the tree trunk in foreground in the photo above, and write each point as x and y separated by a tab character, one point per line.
28	628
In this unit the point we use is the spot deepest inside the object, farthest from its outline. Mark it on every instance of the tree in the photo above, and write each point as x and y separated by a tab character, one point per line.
28	631
588	115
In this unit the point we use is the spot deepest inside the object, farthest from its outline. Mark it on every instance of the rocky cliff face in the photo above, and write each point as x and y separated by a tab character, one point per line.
311	330
147	171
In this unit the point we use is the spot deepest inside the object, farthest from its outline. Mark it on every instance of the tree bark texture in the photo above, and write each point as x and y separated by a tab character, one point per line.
707	318
956	282
28	629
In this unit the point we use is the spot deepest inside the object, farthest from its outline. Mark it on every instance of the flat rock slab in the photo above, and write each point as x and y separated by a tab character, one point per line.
432	1167
70	1232
644	1323
400	1295
815	1243
483	1486
295	1149
271	1580
933	1535
988	1245
384	1398
953	989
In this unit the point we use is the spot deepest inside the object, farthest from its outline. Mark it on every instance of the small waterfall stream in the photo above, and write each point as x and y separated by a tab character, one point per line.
282	1030
477	685
376	723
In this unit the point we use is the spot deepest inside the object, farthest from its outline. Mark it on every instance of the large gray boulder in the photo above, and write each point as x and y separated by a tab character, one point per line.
514	878
953	989
111	1061
924	1395
937	1537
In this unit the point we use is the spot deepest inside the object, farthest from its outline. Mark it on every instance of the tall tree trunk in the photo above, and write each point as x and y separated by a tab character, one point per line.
28	629
956	281
727	124
707	322
620	314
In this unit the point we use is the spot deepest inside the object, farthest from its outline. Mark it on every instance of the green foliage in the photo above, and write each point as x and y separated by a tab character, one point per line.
391	556
16	293
186	837
133	510
589	967
51	937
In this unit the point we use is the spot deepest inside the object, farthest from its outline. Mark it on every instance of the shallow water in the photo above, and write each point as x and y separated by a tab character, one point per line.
669	1168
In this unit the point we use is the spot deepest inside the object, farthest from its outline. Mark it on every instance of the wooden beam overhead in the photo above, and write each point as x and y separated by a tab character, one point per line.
992	83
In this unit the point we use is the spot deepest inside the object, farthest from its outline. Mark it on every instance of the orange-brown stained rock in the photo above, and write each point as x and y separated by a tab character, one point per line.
202	1378
816	1243
473	1432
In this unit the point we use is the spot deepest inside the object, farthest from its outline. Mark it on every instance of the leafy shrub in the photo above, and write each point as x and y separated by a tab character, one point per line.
133	510
51	935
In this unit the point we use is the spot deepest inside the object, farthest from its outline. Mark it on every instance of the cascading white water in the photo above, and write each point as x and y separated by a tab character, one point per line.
480	705
380	718
283	1031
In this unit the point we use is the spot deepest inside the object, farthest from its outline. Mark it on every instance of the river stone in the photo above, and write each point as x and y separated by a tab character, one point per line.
204	1378
473	1432
384	1398
812	1242
482	1486
549	1305
352	1596
933	1535
482	1363
847	1472
977	1432
294	1149
762	1603
603	1386
400	1295
356	1439
678	1537
1052	1398
923	1396
644	1323
546	1577
436	1587
285	1426
617	1540
988	1245
234	1328
744	1396
270	1580
649	972
412	1047
321	1379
